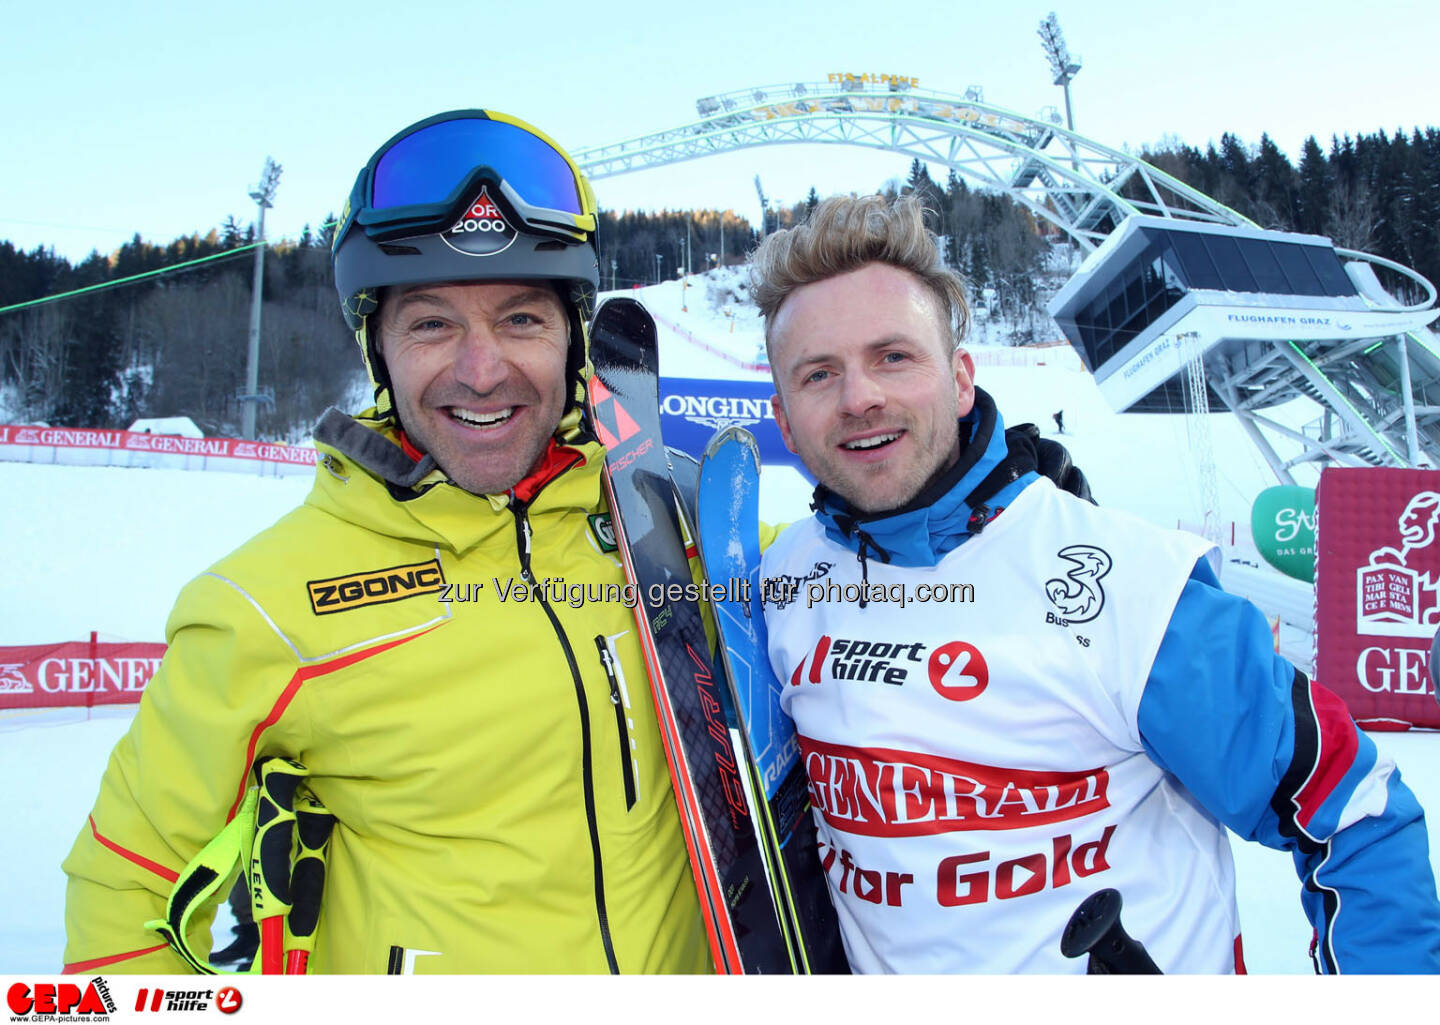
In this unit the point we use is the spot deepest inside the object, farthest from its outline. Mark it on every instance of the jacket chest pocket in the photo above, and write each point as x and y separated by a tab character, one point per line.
621	698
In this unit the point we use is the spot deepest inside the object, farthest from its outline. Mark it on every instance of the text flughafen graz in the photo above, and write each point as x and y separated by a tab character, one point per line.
777	591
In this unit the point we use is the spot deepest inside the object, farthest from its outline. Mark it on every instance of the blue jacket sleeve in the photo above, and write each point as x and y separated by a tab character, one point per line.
1278	759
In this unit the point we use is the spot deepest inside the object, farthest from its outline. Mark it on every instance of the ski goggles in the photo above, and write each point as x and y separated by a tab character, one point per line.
423	179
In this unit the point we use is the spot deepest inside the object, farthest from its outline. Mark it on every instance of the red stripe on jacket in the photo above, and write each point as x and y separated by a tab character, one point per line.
302	676
79	967
129	855
1336	747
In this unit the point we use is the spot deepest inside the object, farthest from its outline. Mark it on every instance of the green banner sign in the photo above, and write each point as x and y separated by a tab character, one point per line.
1282	522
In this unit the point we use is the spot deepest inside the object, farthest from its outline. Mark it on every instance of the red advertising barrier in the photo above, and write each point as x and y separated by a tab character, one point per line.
76	673
1377	587
733	360
169	444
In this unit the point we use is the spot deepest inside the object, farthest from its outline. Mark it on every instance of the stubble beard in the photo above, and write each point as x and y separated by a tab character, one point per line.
498	470
858	489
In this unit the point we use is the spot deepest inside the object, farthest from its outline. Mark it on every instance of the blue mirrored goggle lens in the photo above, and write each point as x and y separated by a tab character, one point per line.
427	166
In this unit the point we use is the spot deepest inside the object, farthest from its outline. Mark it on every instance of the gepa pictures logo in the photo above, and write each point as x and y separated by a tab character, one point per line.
71	1001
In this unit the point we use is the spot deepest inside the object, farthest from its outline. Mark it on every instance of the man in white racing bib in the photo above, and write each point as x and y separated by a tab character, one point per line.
1008	698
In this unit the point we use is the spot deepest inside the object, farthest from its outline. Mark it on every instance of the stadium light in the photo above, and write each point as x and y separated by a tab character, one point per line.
251	397
1062	64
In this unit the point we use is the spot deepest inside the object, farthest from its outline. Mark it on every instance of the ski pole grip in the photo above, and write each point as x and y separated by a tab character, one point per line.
313	824
271	854
1095	929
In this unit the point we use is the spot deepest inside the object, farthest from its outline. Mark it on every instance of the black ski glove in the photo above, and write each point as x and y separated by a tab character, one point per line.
1052	460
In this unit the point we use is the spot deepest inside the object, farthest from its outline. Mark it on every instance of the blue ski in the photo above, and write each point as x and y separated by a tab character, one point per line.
728	534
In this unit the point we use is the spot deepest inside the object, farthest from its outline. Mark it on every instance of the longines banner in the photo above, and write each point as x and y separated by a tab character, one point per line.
1378	593
76	673
691	410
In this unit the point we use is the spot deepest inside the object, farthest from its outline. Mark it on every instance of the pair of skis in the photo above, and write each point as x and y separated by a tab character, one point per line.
732	754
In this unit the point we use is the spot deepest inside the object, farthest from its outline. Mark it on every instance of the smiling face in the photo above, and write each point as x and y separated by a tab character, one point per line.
478	375
869	387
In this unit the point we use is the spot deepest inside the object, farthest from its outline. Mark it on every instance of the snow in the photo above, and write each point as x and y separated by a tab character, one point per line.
107	549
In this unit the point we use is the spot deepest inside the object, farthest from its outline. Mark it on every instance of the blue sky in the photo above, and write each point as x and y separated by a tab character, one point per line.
156	117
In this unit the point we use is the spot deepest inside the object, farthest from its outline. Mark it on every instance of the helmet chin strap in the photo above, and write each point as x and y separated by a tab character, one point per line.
375	367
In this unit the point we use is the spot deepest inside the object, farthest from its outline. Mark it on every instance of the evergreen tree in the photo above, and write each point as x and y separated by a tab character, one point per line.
1312	199
978	265
175	344
1275	187
230	234
919	183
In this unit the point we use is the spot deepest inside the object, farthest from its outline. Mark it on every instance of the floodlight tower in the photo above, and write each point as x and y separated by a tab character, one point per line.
1064	66
262	194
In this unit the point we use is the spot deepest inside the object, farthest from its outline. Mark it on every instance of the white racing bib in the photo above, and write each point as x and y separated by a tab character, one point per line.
970	740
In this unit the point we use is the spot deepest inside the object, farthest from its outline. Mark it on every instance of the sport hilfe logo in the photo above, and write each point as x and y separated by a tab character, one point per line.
482	231
226	999
863	661
957	670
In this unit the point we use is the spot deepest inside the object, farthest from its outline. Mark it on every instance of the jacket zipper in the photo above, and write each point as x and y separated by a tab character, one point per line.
522	536
607	659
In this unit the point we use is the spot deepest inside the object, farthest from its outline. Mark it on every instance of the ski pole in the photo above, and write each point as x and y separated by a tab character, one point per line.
307	880
203	877
270	856
1095	929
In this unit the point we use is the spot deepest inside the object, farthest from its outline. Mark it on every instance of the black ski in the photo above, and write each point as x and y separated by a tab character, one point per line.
710	778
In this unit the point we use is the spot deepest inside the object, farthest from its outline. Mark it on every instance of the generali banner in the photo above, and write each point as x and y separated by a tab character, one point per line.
76	673
169	444
1377	587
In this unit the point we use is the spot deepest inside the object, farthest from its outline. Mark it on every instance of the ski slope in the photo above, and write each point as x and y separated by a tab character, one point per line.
107	549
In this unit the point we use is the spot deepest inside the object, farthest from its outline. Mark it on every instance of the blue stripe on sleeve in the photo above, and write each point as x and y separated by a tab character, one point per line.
1235	724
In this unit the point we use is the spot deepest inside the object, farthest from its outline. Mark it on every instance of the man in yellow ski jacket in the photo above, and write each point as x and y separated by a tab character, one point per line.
440	634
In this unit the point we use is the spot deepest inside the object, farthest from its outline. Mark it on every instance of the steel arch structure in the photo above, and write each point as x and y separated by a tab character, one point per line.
1079	185
1088	190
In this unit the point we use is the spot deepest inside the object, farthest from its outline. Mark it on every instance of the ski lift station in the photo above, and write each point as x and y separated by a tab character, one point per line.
1262	317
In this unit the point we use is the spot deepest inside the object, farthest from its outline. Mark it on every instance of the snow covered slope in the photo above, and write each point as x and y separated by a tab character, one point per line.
107	549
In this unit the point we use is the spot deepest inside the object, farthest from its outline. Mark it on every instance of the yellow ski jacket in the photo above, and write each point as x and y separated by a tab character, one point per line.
438	661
